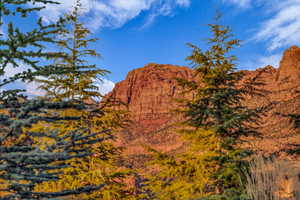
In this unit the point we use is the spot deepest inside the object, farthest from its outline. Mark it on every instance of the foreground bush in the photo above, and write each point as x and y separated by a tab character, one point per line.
272	179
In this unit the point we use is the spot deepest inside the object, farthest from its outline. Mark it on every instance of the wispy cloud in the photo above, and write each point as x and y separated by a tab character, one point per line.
114	13
282	25
249	3
272	60
184	3
262	61
282	29
240	3
163	8
32	88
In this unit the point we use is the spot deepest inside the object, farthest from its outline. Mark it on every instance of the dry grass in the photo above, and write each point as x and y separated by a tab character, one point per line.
271	179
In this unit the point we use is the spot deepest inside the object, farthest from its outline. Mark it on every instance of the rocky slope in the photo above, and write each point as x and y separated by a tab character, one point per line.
151	94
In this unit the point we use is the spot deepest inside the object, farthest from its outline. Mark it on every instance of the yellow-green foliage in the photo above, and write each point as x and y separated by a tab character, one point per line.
217	105
101	166
3	185
186	175
98	168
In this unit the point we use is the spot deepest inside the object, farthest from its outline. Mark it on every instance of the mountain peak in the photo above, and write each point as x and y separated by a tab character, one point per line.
289	65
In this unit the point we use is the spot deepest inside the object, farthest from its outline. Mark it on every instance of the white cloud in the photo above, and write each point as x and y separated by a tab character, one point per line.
282	29
282	25
262	61
239	3
10	71
105	86
32	88
113	13
273	60
184	3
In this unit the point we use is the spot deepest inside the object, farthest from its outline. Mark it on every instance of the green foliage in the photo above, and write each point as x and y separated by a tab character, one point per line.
217	105
27	48
78	85
185	175
210	163
9	7
27	157
25	164
98	168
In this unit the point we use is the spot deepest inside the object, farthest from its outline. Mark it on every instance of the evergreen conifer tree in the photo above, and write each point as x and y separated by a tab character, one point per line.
25	159
79	85
218	107
211	164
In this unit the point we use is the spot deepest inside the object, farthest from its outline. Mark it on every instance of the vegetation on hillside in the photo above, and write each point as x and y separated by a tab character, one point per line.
80	85
212	164
61	144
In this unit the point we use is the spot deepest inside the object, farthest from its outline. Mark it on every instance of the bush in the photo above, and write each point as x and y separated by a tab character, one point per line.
272	179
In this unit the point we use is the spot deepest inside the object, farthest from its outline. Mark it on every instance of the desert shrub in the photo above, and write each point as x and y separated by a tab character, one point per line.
272	179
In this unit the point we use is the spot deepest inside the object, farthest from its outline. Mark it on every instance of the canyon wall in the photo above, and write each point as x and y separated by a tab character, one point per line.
151	92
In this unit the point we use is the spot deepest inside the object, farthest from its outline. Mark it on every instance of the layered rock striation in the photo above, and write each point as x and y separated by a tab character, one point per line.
151	92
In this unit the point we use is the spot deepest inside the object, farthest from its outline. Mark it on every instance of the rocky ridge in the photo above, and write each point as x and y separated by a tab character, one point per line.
150	94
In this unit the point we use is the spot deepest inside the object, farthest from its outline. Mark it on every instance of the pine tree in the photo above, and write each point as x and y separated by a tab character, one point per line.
218	107
211	163
25	159
79	85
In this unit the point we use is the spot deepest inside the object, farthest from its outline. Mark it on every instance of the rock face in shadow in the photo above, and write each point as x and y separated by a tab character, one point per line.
151	92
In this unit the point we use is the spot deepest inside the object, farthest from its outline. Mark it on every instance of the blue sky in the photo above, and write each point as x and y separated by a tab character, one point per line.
133	33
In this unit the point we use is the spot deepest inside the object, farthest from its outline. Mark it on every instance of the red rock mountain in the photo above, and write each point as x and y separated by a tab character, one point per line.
150	93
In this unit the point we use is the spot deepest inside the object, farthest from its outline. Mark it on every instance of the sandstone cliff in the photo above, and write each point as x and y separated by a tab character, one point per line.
150	93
